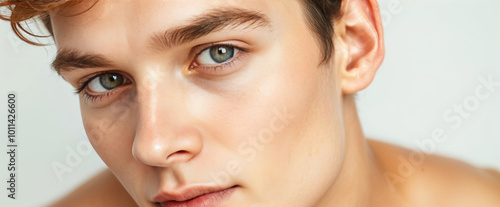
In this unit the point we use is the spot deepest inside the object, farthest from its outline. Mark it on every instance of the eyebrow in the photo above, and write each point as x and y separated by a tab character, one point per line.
201	25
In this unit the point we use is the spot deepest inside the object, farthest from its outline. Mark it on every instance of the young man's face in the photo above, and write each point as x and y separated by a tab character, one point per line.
206	95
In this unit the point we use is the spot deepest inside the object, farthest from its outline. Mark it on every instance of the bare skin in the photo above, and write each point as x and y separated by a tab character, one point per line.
168	128
441	181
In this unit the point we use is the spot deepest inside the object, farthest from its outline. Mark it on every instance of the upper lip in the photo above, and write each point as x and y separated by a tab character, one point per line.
186	193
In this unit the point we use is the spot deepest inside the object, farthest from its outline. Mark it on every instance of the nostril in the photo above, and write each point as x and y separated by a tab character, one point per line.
178	154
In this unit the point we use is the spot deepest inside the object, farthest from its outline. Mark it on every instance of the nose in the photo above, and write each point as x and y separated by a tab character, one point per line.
165	133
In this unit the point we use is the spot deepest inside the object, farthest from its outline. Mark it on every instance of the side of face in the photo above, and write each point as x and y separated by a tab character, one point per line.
268	119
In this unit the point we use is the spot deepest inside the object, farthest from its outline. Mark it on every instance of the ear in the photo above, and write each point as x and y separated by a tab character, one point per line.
363	41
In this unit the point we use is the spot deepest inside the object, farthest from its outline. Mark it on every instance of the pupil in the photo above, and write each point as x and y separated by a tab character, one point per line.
222	51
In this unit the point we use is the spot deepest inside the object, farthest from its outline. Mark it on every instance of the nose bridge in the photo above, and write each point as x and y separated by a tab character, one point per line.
164	134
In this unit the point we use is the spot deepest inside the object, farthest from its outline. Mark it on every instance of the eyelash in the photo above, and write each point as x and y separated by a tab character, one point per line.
230	63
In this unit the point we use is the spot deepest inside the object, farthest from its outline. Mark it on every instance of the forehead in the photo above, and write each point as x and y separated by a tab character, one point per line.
131	22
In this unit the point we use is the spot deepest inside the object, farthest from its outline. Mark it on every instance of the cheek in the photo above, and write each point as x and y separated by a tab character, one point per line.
111	131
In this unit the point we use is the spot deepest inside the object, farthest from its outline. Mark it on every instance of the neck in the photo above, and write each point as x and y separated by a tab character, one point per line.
361	180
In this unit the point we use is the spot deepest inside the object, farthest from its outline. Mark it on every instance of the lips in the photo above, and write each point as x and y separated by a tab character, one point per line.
195	197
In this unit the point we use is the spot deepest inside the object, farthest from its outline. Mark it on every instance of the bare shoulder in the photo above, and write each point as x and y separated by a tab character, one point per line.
101	190
432	180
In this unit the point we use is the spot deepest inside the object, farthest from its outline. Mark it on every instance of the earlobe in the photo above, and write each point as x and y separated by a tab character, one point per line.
364	44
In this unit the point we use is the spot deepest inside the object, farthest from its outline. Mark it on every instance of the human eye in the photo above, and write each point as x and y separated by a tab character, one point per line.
217	59
102	85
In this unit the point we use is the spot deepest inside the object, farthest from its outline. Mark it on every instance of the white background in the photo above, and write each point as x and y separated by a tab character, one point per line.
435	54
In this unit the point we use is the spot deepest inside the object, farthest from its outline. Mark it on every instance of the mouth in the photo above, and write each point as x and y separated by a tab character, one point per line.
199	197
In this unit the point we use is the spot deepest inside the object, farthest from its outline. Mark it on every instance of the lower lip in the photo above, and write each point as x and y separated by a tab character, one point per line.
205	200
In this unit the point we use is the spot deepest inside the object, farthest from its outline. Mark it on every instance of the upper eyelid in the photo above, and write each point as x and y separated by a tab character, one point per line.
196	51
89	77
